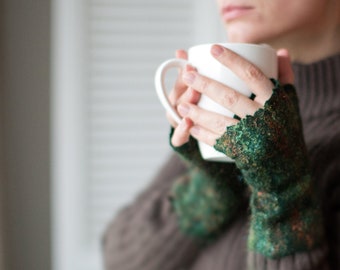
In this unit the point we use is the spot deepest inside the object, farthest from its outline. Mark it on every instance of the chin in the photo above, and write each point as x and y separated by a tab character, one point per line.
242	38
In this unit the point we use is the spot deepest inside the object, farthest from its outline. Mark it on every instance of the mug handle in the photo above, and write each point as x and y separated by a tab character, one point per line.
160	85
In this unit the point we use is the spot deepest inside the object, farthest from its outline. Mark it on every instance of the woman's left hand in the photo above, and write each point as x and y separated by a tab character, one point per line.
209	126
268	147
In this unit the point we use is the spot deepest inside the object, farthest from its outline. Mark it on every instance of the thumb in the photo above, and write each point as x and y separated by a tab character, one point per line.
181	54
286	75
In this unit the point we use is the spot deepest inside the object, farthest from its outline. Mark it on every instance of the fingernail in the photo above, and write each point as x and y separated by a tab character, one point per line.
189	68
189	77
183	109
216	50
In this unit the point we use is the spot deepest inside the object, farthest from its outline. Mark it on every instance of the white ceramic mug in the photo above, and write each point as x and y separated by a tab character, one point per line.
263	56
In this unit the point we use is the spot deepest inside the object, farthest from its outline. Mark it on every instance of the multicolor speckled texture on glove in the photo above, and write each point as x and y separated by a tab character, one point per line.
208	197
269	150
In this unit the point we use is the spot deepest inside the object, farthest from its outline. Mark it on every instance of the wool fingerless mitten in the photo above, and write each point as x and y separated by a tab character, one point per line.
208	196
269	150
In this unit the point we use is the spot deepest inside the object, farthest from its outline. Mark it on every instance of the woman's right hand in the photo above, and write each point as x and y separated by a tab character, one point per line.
179	94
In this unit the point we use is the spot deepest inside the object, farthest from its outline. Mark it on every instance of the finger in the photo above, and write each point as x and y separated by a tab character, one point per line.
286	74
180	92
182	54
222	94
255	79
182	133
214	122
204	135
190	96
179	86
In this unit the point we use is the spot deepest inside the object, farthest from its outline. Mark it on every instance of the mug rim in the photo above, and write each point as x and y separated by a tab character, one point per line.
234	44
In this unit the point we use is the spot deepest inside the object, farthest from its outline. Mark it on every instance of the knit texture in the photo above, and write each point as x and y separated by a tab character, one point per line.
270	151
208	196
145	234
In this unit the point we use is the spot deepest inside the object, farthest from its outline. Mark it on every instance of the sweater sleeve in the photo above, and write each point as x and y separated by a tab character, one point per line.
145	234
316	259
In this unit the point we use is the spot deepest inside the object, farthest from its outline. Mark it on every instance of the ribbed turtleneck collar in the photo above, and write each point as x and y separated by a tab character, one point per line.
318	87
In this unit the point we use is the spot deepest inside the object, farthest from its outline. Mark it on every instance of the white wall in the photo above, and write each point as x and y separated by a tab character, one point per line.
26	132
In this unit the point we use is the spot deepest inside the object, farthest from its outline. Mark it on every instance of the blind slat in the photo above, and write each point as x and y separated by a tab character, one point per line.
127	127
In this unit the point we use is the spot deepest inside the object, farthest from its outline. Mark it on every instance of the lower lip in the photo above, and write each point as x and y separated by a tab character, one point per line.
235	13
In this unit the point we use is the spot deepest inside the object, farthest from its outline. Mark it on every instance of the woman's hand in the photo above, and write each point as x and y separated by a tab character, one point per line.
208	126
268	147
181	93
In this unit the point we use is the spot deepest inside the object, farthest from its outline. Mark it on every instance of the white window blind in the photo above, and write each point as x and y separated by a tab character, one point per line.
127	128
109	131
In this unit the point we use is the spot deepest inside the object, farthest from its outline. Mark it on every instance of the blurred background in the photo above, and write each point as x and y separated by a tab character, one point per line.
81	129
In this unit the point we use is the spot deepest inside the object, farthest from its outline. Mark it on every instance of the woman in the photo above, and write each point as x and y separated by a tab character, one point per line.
276	207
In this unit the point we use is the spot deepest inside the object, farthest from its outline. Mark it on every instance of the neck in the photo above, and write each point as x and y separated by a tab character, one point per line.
318	87
310	49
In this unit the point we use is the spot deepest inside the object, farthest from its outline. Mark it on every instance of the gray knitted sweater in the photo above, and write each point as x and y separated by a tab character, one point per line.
145	234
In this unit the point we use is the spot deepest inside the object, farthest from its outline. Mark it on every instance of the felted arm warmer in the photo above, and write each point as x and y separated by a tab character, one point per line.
207	198
269	150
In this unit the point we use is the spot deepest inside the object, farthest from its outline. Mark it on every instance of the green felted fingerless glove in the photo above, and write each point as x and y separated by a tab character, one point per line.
208	197
270	151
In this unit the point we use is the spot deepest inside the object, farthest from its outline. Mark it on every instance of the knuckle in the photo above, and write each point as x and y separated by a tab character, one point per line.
204	85
219	125
252	73
230	99
194	114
